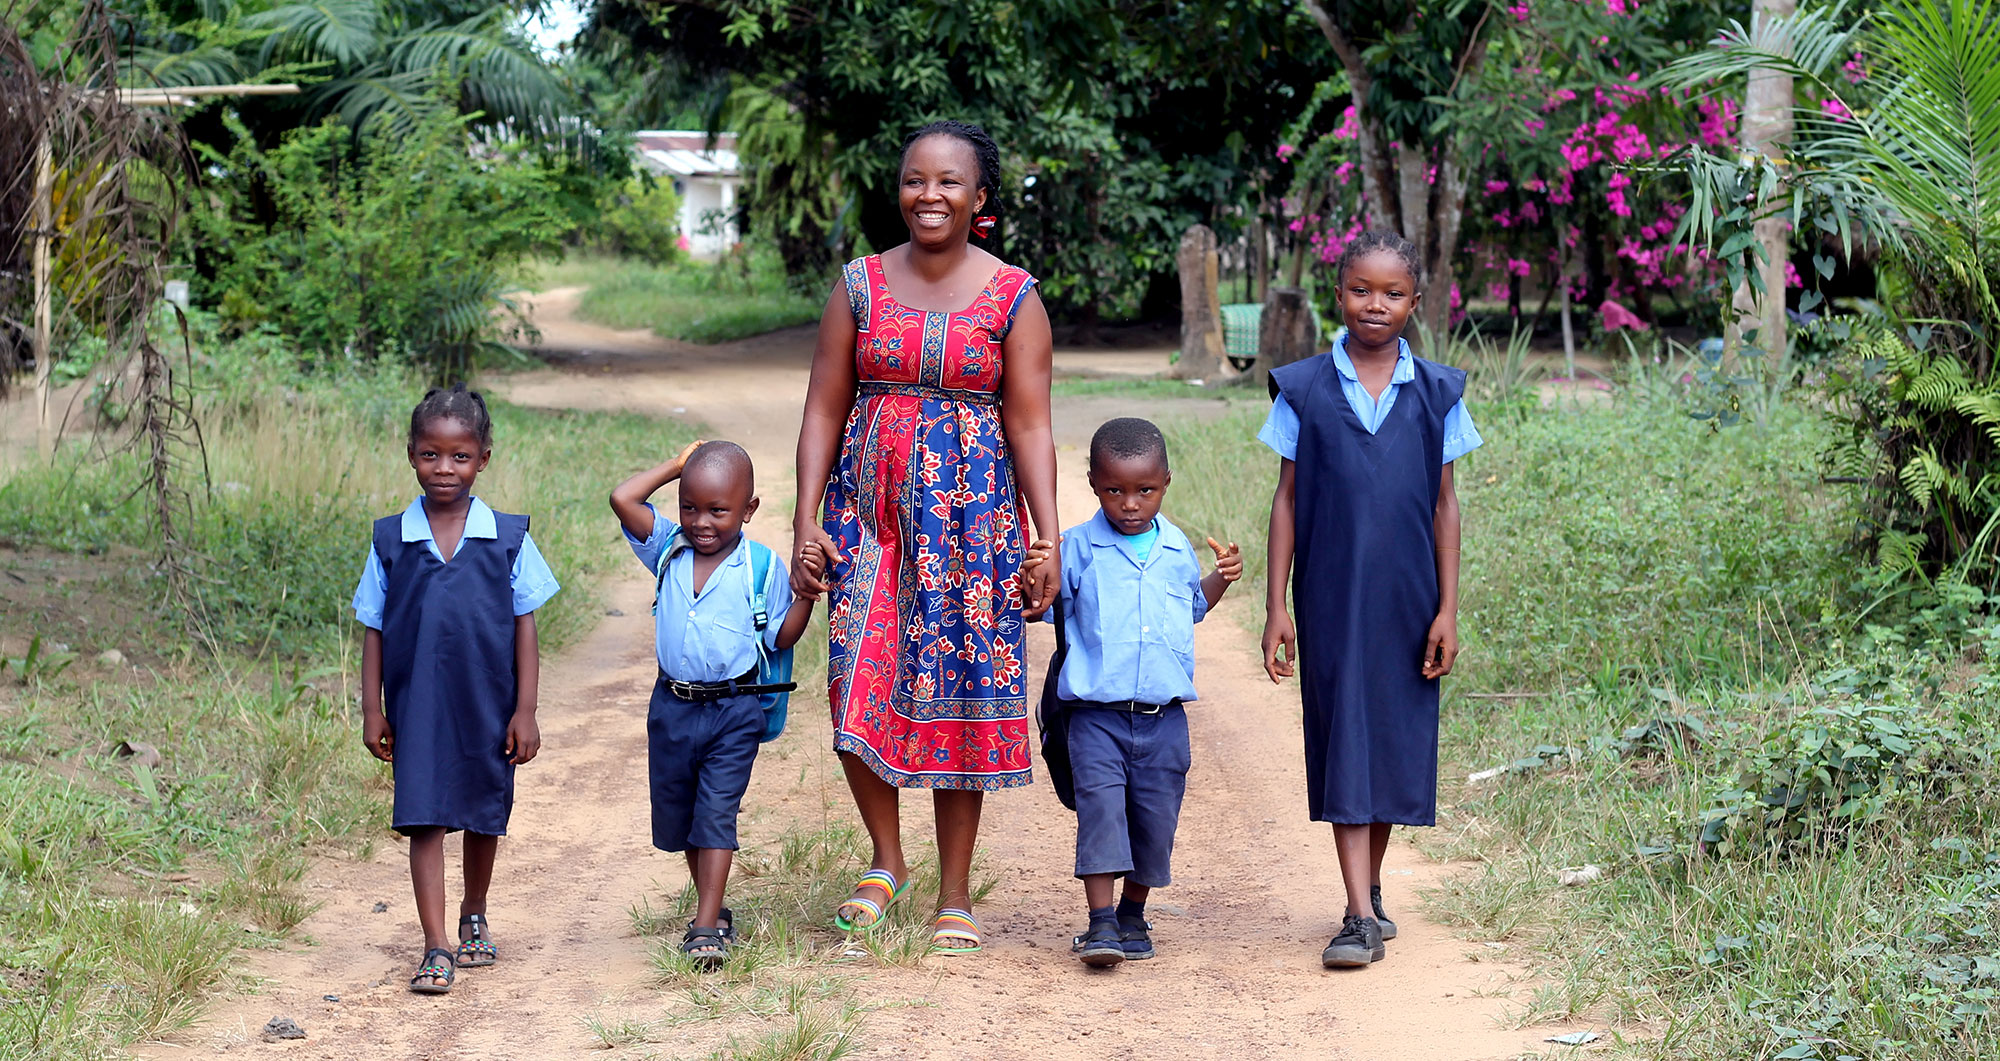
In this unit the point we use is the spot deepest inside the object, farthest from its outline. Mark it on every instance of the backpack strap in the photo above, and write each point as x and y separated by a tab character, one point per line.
760	575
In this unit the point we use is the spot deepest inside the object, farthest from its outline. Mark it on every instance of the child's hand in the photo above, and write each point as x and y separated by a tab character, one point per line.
681	460
814	556
1041	578
524	738
813	559
1279	633
376	737
1228	564
1441	646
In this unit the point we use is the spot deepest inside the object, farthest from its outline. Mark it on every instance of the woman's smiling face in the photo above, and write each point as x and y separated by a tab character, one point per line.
940	191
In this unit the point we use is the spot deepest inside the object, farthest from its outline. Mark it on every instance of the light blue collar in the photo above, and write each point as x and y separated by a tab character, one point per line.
1103	535
1406	366
479	522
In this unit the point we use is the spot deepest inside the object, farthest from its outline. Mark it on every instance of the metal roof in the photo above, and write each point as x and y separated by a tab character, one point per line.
686	152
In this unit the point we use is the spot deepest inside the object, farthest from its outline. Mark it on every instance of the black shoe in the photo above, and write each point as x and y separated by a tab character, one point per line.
1136	933
1388	926
1100	946
1358	944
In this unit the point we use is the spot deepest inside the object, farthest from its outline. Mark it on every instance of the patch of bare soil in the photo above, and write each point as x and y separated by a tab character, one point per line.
1239	935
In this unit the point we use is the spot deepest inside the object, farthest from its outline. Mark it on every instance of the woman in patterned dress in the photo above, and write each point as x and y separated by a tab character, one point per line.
926	440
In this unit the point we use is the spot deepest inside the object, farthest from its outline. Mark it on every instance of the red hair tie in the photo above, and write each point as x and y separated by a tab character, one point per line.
982	227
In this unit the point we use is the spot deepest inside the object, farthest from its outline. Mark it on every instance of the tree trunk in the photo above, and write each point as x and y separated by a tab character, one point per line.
1767	129
1285	334
1201	307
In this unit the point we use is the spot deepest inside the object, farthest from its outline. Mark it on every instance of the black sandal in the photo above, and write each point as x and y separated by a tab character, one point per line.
476	949
728	925
431	971
707	948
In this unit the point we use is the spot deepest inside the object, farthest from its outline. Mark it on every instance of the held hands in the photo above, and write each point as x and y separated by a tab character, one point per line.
524	738
814	556
1228	563
1441	646
1042	559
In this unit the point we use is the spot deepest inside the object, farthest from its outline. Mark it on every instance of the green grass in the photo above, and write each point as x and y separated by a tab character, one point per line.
126	887
1146	388
690	301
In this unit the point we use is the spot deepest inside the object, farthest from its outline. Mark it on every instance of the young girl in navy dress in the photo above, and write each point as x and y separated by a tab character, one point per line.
1365	525
449	668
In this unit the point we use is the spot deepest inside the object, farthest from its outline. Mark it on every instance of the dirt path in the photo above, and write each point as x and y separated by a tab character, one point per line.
1238	972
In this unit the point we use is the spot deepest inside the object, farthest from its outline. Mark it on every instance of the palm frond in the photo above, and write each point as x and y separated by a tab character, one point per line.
344	30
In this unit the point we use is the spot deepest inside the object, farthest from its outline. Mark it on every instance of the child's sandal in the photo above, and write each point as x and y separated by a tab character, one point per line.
438	965
728	919
475	947
955	932
707	948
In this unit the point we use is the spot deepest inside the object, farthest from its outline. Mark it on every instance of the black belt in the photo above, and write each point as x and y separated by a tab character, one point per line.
870	388
702	692
1137	707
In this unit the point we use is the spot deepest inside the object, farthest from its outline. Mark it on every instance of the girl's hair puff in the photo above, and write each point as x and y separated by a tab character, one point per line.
983	148
455	403
1375	241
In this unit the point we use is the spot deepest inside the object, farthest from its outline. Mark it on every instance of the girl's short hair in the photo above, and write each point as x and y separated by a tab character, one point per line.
455	403
1376	241
983	148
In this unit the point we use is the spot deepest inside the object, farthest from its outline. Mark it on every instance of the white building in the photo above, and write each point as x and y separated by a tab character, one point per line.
706	179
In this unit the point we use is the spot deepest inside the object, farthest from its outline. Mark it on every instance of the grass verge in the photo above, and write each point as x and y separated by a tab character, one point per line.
691	301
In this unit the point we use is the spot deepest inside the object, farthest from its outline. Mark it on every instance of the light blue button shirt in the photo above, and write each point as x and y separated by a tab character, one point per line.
532	580
1281	427
712	636
1130	621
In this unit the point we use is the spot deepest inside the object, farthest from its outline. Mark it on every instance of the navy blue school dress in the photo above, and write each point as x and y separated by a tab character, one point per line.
1364	581
448	682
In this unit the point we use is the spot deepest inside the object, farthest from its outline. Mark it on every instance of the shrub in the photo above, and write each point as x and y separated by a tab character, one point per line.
639	219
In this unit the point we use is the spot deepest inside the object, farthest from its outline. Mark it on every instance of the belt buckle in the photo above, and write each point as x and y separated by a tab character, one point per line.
1145	709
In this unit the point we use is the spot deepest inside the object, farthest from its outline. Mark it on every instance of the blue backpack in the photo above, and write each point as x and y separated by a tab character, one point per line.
773	668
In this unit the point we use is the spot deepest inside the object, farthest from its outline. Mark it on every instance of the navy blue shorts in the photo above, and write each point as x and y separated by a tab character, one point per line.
1131	772
698	760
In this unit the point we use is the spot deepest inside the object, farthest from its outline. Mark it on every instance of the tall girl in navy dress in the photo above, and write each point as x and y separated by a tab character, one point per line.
1365	525
449	668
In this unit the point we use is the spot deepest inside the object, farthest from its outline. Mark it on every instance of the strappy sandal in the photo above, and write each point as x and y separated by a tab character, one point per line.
438	965
728	919
1100	945
955	932
707	948
879	879
476	949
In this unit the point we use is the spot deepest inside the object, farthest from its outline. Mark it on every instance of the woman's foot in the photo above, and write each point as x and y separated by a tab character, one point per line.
475	942
873	893
435	975
956	931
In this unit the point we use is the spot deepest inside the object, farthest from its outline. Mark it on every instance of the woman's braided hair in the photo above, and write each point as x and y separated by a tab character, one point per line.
1376	240
455	403
983	148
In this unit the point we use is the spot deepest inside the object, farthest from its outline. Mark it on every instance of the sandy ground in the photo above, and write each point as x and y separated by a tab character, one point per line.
1239	934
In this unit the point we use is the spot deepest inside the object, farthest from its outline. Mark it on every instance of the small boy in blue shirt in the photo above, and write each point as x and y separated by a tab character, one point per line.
706	719
1132	590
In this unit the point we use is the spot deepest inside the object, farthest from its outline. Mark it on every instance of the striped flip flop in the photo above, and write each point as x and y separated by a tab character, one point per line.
956	932
880	879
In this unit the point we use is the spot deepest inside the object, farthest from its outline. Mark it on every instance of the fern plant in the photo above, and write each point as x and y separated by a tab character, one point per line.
1911	172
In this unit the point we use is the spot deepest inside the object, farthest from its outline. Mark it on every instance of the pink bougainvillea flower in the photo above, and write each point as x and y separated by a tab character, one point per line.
1285	152
1350	127
1792	276
1617	316
1495	187
1534	126
1520	12
1854	70
1835	109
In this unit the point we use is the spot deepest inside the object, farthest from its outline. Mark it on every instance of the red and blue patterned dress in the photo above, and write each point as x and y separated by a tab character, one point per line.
926	667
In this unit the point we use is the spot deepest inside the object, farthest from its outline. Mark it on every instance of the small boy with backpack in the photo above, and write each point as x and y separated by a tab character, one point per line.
724	626
1115	730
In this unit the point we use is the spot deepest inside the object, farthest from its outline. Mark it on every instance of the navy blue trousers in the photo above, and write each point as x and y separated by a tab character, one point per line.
1131	773
698	761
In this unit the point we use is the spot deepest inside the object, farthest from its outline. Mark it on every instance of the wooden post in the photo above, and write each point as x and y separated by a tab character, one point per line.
1286	334
1201	306
1569	338
44	361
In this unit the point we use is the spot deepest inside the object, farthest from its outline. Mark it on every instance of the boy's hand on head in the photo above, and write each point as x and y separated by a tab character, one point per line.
1441	646
680	460
524	738
1228	562
1279	633
377	737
